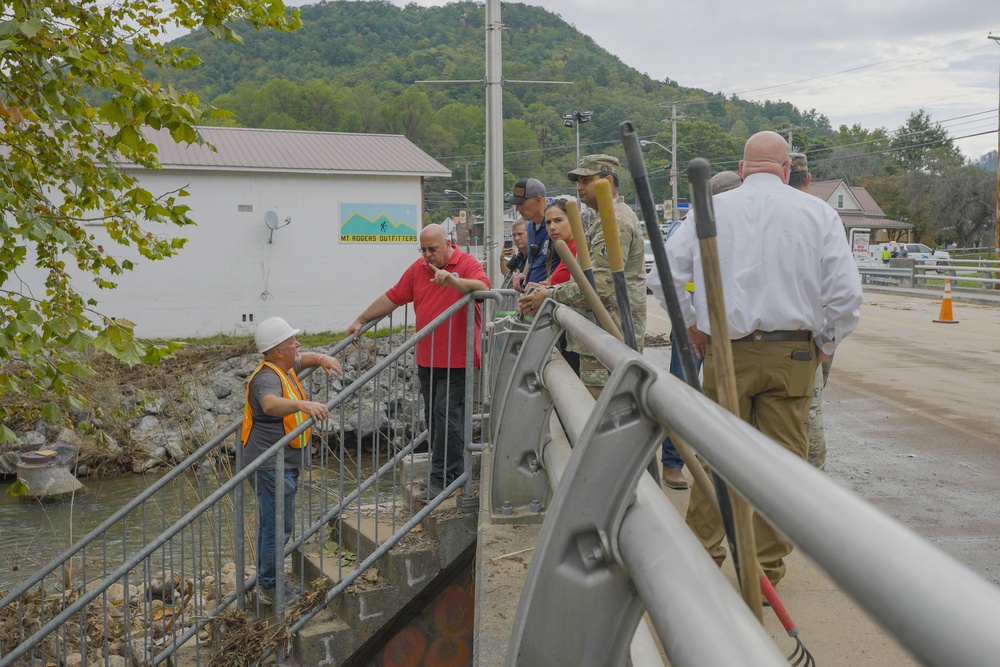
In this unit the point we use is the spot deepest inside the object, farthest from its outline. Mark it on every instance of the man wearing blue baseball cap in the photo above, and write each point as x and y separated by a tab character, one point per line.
529	201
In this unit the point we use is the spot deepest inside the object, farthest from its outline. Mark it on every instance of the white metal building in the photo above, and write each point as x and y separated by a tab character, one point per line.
311	226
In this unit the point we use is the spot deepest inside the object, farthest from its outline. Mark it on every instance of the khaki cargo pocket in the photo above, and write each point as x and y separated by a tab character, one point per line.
802	372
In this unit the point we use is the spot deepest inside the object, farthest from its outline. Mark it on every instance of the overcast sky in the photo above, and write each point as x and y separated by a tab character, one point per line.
870	62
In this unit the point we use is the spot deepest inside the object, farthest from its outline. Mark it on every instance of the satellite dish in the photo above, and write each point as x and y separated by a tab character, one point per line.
271	220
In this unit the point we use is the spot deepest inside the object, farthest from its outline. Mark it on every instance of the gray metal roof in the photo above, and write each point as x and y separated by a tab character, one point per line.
241	148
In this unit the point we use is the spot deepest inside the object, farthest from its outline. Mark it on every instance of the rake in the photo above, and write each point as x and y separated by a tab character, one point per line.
800	657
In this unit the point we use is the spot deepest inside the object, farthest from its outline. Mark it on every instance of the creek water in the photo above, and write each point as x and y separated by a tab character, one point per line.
32	533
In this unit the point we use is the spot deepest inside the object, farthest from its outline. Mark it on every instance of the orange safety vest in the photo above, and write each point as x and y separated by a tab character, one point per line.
291	389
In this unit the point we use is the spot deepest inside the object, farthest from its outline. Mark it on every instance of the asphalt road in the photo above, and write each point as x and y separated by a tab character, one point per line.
912	415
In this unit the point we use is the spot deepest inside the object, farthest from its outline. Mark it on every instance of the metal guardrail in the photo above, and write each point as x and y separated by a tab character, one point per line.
608	533
986	273
147	583
884	275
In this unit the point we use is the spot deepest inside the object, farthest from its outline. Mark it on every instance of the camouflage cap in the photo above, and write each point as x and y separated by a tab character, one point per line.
591	165
725	181
799	162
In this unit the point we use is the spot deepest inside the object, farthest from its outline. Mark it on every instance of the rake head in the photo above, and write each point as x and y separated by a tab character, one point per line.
801	657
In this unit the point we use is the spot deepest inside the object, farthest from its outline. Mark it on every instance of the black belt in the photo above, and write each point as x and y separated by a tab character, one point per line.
775	335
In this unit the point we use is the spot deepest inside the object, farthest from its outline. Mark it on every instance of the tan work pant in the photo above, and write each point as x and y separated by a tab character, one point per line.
774	393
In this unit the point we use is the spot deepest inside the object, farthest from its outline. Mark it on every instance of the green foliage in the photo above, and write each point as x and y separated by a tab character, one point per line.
923	144
75	106
353	68
358	62
18	488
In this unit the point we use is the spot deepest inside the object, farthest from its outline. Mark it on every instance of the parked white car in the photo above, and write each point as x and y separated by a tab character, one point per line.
924	253
917	251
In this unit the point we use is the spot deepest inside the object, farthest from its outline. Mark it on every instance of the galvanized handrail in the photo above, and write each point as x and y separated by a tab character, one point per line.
98	589
196	457
944	620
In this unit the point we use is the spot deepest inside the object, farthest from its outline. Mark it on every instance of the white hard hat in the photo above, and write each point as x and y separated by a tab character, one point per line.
271	333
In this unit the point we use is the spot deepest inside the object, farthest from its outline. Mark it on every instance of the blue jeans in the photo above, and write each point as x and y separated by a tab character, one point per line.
443	390
669	455
263	485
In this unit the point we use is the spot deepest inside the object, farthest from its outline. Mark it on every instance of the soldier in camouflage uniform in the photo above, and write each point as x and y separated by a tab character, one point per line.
591	169
800	178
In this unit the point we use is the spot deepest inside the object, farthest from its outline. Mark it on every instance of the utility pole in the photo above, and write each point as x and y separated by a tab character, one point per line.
493	171
674	168
996	240
494	140
790	130
469	215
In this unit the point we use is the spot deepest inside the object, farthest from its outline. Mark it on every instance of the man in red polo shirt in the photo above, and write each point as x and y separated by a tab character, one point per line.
433	283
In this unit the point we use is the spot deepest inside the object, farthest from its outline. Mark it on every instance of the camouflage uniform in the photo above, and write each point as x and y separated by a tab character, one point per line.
592	372
817	439
799	162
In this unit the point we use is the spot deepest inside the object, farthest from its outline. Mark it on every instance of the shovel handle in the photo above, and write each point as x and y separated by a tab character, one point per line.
588	291
637	167
613	247
779	607
698	182
612	237
576	224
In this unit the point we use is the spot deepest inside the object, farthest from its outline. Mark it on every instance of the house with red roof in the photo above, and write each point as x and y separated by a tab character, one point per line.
857	209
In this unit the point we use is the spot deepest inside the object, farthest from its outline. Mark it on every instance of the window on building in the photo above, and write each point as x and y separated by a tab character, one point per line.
840	201
244	208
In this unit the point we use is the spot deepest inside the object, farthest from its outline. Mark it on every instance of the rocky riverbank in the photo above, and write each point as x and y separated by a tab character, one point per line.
151	417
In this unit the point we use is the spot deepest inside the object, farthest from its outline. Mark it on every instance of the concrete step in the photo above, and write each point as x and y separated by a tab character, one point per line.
386	589
323	641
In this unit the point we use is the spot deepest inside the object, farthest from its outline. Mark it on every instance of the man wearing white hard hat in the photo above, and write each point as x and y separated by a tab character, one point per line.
275	406
433	283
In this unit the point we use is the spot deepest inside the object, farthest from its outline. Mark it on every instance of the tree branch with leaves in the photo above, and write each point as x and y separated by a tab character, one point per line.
74	106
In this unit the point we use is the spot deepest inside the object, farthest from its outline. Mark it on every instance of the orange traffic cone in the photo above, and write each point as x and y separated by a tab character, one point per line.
945	317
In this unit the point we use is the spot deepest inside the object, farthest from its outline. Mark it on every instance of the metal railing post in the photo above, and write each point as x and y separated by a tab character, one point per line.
470	403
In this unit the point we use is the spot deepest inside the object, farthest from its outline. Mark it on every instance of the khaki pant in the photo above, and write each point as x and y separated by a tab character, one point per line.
774	392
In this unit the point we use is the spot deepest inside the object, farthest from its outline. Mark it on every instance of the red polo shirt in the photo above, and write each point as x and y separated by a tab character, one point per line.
445	348
562	274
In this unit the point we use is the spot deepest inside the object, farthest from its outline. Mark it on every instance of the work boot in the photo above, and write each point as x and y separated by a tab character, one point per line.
267	596
674	478
428	494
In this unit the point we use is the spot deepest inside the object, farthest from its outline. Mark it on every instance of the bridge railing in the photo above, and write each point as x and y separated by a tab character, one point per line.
608	533
981	273
148	582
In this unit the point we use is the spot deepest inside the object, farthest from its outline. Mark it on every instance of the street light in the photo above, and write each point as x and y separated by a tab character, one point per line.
576	118
673	176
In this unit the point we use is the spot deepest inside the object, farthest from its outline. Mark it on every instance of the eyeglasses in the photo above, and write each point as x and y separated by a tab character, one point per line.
430	250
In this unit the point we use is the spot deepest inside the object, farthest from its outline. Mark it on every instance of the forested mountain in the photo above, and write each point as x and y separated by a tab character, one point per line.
354	65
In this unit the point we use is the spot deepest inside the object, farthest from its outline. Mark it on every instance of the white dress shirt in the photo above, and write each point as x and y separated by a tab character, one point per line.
785	260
